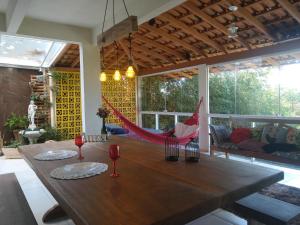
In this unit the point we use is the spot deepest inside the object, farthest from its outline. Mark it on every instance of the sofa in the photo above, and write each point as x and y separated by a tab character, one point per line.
272	142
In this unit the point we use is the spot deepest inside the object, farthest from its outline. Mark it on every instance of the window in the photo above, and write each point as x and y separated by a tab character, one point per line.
30	52
253	88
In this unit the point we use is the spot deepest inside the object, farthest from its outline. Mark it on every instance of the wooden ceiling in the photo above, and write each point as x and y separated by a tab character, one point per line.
197	30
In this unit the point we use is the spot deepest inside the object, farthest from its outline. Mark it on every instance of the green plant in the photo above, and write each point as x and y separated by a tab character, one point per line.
51	134
16	122
13	144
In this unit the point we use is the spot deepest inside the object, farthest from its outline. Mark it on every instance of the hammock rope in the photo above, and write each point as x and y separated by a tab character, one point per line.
159	138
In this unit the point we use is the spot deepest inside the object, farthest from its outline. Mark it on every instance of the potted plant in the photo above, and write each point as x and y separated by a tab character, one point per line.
103	113
15	123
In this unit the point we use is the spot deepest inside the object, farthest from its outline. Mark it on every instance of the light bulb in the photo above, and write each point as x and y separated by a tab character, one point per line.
102	76
130	72
117	75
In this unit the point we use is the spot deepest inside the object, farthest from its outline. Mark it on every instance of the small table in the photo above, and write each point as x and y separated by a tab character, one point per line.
150	190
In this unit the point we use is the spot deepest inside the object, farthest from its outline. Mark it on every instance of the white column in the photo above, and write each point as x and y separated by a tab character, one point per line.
90	88
204	110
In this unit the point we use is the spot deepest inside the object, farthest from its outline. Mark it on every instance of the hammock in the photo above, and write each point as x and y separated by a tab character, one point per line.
159	138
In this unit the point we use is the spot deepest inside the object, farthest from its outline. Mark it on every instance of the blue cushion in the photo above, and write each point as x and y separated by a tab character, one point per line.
117	131
110	126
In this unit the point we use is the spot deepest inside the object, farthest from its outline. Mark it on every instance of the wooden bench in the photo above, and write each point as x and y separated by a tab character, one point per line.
266	210
14	208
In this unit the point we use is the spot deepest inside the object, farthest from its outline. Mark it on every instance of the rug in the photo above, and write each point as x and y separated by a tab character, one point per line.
11	153
284	193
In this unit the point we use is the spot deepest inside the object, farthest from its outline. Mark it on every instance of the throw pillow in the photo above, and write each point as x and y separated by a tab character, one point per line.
219	134
281	135
291	136
182	130
117	131
268	134
240	134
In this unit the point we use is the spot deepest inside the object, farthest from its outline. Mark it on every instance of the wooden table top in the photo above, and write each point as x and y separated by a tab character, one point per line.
149	190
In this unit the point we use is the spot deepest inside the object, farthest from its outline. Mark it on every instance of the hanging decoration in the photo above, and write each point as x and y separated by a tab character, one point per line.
112	35
232	29
130	73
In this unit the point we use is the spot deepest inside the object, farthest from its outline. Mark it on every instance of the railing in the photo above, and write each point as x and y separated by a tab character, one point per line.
157	114
249	118
258	118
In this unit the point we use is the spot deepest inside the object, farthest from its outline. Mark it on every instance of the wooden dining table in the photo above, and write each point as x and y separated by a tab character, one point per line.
149	190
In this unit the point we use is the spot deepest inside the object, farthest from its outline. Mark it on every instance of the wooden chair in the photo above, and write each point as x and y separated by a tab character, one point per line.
14	207
261	209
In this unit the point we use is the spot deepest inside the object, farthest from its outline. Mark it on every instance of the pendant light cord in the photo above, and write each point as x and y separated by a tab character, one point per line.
125	8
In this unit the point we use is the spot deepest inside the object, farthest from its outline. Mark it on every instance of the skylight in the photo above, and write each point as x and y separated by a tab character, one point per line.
24	51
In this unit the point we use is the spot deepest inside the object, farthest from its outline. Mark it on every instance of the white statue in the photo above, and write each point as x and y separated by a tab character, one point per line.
31	114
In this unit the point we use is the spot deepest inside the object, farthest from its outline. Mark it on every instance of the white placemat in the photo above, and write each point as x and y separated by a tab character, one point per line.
55	155
78	170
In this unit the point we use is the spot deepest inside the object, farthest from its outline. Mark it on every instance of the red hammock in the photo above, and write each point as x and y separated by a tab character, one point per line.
159	138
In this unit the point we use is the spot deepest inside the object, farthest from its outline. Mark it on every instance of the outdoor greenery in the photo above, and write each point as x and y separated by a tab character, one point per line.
50	134
244	92
248	92
16	122
181	96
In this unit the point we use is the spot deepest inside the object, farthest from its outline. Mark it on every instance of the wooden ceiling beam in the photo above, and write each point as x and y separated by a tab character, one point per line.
248	16
61	54
75	62
146	58
192	31
153	53
155	44
210	20
125	47
114	63
291	9
278	48
175	40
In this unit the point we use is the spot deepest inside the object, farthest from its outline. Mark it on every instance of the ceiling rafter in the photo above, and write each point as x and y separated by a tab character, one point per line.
153	53
75	62
61	54
249	17
192	31
196	11
158	45
291	9
167	36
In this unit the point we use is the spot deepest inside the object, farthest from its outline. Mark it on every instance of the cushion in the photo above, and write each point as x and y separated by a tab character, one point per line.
240	134
110	126
250	144
281	135
268	134
182	130
291	136
220	134
279	147
117	131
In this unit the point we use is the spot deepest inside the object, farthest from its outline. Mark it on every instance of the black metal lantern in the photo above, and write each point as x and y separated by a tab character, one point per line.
171	149
191	151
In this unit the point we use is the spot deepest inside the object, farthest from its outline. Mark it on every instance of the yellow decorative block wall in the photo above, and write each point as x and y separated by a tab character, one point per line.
122	95
68	104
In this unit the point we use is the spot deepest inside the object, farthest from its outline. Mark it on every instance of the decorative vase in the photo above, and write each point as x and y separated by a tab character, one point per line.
104	130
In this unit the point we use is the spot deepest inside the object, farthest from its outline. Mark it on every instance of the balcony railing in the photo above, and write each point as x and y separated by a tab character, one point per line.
175	115
248	118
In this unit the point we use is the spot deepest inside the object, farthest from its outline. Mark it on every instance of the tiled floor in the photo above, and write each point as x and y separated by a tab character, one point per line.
40	200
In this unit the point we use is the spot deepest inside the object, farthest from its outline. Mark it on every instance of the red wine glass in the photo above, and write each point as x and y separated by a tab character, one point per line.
79	142
114	154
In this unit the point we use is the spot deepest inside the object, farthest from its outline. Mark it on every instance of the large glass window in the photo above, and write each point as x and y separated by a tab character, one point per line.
252	88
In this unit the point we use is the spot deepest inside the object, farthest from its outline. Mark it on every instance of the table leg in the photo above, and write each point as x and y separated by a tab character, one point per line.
56	212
